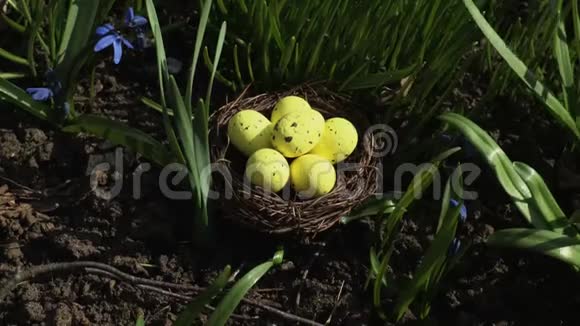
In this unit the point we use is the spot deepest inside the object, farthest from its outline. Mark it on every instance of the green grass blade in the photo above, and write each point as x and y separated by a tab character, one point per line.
17	96
549	243
12	24
274	28
377	79
287	55
542	201
155	106
525	189
375	264
77	32
13	57
384	205
435	255
203	161
140	321
562	54
198	43
229	303
121	134
493	154
422	180
191	312
576	24
218	53
163	76
519	67
12	75
162	70
184	130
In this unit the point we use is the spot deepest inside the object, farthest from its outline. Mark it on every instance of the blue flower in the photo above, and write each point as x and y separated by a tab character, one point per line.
111	37
462	210
134	21
454	247
40	93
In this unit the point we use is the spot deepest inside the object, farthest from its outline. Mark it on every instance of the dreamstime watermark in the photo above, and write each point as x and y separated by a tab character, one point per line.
379	141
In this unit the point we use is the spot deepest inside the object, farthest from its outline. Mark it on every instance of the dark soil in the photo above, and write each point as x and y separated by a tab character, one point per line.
52	211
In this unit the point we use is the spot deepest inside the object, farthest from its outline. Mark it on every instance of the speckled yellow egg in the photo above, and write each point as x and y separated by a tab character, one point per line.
268	169
338	141
312	176
289	104
297	133
249	131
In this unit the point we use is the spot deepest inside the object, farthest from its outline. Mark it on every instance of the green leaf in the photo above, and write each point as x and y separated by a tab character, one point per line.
218	53
229	303
519	67
155	106
203	161
191	312
12	24
184	130
544	208
13	57
12	75
77	32
545	242
377	79
437	252
163	71
163	76
198	43
140	321
527	190
564	62
422	180
120	134
493	154
15	95
375	206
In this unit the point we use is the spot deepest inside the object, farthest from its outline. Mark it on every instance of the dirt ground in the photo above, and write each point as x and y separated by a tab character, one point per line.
52	212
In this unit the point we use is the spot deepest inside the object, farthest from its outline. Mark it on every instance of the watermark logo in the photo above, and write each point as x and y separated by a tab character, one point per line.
107	178
381	140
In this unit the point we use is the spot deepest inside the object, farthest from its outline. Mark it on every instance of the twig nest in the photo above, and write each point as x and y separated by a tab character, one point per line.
316	166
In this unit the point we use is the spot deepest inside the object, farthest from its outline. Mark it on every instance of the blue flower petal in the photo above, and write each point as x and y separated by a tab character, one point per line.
129	15
105	29
462	210
39	93
138	21
454	247
104	42
127	43
118	50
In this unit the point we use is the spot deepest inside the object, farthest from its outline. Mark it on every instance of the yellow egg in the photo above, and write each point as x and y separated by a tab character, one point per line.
289	104
249	131
338	141
312	176
297	133
268	169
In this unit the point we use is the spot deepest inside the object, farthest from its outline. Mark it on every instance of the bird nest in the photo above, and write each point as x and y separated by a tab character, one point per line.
285	212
